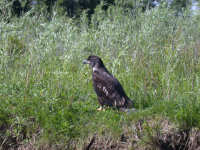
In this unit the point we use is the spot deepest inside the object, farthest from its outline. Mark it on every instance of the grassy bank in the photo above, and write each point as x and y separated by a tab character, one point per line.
47	99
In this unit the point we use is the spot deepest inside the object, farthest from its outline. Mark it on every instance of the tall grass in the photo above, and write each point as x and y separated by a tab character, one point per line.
47	92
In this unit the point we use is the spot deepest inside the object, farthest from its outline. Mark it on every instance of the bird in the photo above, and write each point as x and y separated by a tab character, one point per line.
108	89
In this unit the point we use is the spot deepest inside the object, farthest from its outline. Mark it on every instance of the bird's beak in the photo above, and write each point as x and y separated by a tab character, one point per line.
86	62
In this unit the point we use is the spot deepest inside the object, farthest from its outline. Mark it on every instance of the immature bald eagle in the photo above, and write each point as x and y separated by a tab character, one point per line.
108	89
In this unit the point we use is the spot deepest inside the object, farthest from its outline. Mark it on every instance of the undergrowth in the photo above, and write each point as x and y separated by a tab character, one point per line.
47	92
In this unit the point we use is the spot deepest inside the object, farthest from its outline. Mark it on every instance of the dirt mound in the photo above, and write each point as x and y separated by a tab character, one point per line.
153	134
149	135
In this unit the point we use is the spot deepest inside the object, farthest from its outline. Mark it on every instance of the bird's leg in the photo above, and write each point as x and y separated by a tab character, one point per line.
100	108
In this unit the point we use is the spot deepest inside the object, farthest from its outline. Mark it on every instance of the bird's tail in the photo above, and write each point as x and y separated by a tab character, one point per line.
129	106
130	103
128	110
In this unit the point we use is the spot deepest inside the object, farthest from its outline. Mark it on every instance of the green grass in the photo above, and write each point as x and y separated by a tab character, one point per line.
45	89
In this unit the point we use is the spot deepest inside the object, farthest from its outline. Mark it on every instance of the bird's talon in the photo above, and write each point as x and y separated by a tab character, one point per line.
100	108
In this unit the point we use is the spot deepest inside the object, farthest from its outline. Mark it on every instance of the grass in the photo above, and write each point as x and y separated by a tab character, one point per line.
46	93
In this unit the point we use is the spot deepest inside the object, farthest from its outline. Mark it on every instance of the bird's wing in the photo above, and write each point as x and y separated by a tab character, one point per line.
109	89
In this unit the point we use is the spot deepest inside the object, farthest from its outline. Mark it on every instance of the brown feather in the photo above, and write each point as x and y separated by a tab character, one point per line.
108	89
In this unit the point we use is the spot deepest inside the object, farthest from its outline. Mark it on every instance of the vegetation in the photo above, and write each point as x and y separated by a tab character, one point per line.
74	8
47	99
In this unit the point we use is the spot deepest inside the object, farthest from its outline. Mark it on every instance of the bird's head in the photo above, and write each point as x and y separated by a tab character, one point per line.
94	61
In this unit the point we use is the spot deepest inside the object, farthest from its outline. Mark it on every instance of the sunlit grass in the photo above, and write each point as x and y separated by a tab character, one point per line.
45	89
